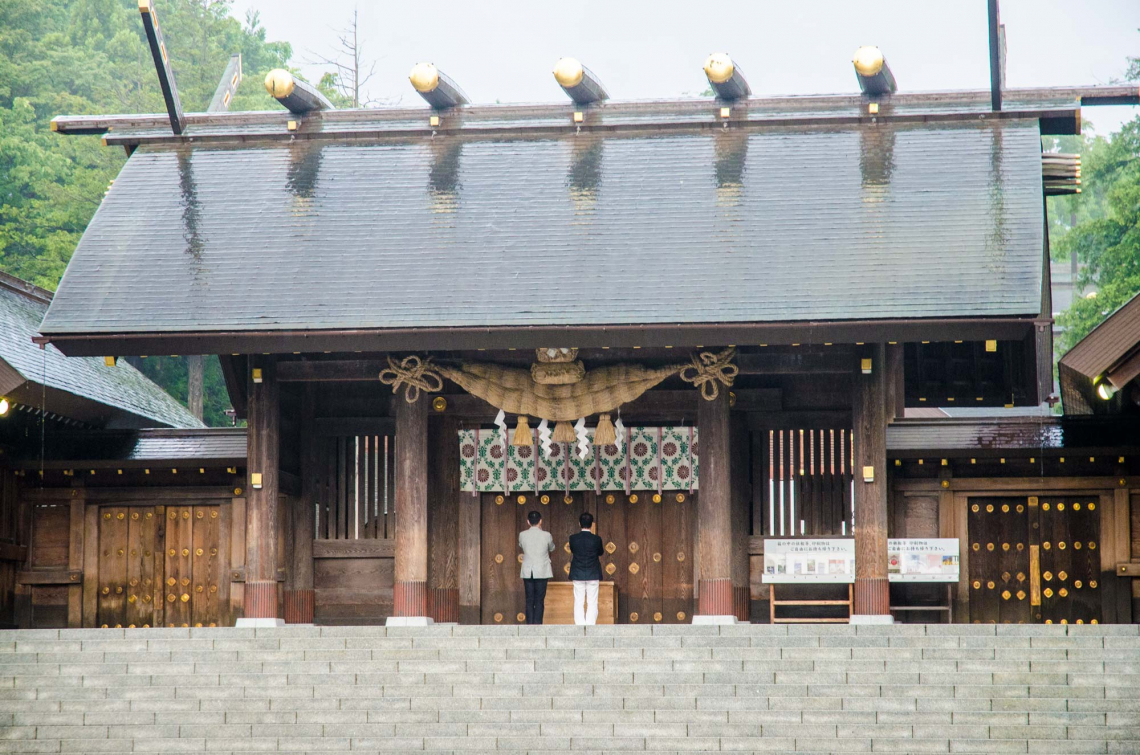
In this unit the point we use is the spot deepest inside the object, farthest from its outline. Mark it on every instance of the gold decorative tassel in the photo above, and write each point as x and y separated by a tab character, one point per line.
604	433
564	433
523	435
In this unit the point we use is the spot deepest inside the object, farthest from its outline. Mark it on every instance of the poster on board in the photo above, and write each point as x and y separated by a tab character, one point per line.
809	560
922	559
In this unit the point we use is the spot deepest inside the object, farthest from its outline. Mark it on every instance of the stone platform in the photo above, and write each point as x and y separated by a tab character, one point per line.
818	689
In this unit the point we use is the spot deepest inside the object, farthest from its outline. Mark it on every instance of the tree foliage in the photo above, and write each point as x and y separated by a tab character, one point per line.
86	57
1106	234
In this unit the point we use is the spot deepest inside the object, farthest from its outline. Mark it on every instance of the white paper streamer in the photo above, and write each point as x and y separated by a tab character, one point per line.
619	433
501	421
583	438
544	436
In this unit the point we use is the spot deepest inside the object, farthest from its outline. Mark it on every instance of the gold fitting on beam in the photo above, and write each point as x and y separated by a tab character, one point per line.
868	60
291	125
110	361
279	83
991	345
579	116
865	366
433	121
255	480
725	112
873	108
868	474
257	378
144	6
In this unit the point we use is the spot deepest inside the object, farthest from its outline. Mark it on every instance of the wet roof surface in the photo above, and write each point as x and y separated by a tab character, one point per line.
779	224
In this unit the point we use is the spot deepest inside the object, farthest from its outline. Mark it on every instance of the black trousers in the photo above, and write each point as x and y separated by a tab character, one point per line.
535	599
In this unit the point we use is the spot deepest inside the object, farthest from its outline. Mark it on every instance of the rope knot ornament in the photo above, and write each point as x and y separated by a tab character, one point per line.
414	372
708	369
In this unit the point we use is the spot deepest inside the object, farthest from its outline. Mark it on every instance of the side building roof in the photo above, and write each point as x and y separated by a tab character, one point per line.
1110	353
82	388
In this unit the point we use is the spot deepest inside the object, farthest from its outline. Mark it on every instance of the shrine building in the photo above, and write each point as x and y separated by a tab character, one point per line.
714	323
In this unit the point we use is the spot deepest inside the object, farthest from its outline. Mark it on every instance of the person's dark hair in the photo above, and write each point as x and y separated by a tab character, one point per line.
534	517
586	520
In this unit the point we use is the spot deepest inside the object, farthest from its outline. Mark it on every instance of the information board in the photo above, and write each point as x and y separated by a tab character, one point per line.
922	559
809	560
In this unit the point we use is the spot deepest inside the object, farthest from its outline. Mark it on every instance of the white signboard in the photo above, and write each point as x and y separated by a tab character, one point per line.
809	560
922	560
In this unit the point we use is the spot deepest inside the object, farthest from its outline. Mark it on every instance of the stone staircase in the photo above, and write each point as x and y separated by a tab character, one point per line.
799	688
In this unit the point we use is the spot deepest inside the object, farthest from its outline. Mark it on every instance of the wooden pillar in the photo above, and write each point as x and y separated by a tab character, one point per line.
410	595
741	518
869	417
714	508
263	453
299	599
443	519
75	552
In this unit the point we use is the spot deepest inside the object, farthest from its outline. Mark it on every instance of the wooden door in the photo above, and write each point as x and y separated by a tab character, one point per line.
1033	560
192	566
648	554
1070	564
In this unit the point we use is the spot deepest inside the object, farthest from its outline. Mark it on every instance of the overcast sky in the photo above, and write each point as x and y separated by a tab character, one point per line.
504	50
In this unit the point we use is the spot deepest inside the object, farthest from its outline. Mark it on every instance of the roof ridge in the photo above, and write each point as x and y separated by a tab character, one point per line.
24	288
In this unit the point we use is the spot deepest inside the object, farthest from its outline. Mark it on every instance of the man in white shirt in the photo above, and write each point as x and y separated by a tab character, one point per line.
537	545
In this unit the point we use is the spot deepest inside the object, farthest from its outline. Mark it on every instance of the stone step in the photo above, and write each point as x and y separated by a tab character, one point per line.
756	688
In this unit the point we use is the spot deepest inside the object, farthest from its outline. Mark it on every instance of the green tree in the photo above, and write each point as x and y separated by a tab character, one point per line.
91	56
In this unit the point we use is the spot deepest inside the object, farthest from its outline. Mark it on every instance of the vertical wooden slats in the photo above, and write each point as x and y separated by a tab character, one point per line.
806	485
355	487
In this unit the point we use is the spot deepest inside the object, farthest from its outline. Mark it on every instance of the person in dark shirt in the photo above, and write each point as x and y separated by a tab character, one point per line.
586	570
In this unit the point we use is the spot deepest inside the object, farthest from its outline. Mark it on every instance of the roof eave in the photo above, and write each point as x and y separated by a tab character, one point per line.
502	337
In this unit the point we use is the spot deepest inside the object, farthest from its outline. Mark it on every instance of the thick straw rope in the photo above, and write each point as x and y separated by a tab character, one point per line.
414	372
602	390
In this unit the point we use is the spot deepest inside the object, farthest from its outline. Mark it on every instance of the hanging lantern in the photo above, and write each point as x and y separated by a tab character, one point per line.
564	433
604	433
523	435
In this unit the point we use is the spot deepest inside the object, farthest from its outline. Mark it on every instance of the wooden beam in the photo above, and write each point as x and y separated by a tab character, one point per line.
1032	101
50	577
996	55
379	548
162	65
228	85
503	337
324	427
835	361
12	552
331	370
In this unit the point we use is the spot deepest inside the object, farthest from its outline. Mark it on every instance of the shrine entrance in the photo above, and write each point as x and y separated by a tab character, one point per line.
1034	560
649	550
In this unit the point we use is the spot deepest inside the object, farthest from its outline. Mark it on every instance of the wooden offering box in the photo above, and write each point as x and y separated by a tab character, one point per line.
560	603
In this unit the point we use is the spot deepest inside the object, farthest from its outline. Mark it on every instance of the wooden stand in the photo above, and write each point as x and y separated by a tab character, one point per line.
560	603
948	609
791	620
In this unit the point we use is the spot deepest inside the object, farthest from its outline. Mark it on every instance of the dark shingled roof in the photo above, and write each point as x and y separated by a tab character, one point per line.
775	224
134	447
122	387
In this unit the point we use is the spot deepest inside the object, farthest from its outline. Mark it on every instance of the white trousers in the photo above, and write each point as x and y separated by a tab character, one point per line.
589	591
